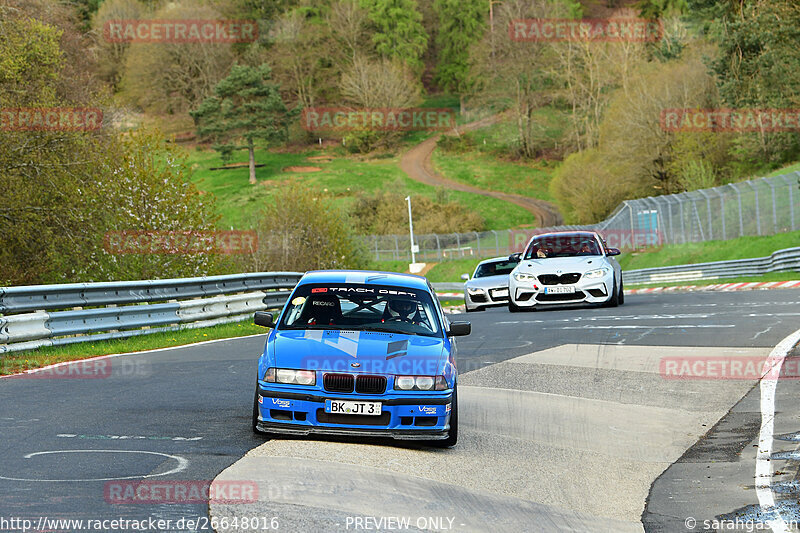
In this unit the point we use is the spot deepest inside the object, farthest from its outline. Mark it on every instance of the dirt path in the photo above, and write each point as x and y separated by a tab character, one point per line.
417	164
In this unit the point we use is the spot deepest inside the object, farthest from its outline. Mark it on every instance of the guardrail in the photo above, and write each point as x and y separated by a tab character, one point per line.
51	315
786	260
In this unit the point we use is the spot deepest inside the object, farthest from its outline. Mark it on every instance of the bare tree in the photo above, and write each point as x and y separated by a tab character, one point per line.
379	83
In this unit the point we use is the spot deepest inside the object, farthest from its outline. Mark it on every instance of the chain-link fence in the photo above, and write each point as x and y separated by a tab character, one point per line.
764	206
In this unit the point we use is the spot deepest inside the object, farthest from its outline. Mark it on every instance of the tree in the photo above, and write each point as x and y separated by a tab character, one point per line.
461	24
381	83
111	55
759	67
68	188
521	75
247	108
172	78
398	30
301	230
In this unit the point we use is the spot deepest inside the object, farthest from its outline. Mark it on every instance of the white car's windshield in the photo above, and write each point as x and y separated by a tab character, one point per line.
495	268
569	245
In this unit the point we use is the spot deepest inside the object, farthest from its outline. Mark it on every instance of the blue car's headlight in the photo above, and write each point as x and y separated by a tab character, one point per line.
290	376
420	383
521	276
599	273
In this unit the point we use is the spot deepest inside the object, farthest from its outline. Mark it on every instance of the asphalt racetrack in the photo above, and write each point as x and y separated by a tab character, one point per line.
570	421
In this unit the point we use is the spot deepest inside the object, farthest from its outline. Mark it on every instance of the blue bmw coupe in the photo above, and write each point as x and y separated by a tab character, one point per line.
360	353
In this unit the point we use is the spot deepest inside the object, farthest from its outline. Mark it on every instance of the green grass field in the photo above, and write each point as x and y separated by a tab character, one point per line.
342	177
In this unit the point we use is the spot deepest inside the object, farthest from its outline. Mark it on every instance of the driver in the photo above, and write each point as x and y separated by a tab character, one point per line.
404	310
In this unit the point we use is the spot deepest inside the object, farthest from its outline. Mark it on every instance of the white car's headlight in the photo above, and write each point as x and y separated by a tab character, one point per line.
289	376
521	276
474	290
599	273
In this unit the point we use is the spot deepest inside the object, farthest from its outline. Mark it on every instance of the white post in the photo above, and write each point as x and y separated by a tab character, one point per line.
411	230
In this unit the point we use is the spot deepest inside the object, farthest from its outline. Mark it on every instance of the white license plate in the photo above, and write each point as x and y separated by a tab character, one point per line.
559	290
344	407
500	293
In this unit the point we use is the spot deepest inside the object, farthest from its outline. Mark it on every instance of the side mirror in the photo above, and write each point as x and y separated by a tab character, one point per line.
516	257
465	277
612	251
262	318
459	329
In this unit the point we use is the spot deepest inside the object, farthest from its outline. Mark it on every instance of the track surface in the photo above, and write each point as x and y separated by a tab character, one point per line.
417	164
553	470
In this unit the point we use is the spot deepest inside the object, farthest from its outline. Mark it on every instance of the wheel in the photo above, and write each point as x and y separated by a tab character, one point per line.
452	435
621	293
512	307
614	300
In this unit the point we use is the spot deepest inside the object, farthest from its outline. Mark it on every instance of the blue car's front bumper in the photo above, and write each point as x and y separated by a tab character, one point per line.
421	417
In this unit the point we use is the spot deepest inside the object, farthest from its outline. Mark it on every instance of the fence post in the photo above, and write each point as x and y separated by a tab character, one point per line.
438	246
458	244
496	242
774	207
722	208
741	217
758	208
396	249
478	239
708	208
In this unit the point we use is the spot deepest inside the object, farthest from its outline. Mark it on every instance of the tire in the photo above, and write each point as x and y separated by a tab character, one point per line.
614	300
512	307
621	293
452	435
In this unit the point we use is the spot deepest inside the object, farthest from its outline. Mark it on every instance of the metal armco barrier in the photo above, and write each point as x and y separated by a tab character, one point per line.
786	260
51	315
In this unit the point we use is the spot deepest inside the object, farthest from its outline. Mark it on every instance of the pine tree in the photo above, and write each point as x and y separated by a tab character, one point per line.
398	30
246	108
461	24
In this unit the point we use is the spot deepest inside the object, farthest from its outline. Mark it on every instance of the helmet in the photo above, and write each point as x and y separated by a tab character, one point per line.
403	307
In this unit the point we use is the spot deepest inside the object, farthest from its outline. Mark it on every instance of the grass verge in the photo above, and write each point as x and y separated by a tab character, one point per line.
15	362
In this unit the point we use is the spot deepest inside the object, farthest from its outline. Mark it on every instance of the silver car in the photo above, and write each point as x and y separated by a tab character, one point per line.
566	268
488	285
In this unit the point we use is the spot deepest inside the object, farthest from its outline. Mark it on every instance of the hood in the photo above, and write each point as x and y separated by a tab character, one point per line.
565	264
372	352
488	282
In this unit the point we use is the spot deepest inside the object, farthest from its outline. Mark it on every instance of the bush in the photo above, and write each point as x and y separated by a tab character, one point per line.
386	213
303	230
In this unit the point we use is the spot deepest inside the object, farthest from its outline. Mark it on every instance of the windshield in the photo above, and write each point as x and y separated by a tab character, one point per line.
570	245
496	268
354	306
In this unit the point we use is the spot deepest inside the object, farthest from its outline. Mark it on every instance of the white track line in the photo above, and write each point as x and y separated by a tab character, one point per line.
768	384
